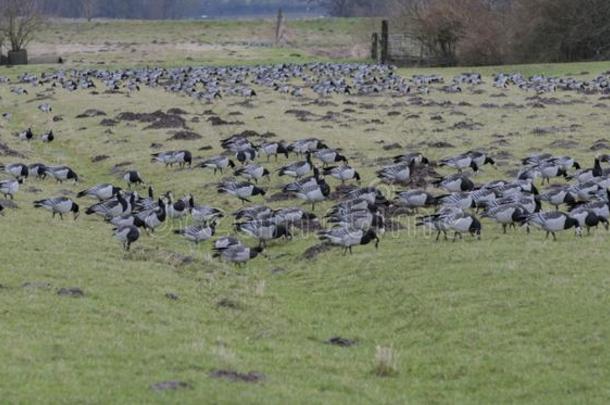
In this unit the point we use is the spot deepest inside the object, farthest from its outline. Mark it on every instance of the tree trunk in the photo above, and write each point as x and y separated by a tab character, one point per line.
18	57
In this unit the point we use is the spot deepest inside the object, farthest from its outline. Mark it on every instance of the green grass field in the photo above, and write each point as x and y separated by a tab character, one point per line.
510	318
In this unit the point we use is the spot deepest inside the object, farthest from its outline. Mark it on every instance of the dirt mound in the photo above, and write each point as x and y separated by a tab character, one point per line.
6	150
157	119
217	121
99	158
108	122
232	375
91	113
176	111
340	341
316	250
170	385
185	136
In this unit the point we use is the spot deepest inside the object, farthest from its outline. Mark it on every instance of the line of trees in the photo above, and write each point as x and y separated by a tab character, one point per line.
473	32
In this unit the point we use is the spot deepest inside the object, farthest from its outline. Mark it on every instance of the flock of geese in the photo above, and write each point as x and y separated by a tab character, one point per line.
322	79
359	217
454	202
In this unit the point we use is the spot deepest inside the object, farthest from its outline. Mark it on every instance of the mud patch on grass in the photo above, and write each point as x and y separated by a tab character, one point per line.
316	250
235	376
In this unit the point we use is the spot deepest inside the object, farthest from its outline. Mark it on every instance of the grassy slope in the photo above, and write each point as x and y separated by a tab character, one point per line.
510	318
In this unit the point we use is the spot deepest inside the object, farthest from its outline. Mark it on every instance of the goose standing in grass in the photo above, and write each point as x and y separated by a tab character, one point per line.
10	187
297	169
127	234
156	217
238	254
45	108
112	208
243	190
454	183
252	172
246	155
347	238
415	199
132	177
124	220
310	192
480	159
440	221
588	218
102	192
26	135
181	157
264	231
329	156
586	175
177	209
465	223
203	214
226	242
397	173
59	205
550	170
273	149
507	214
218	163
197	233
553	222
17	170
343	173
415	157
460	162
62	173
38	170
48	137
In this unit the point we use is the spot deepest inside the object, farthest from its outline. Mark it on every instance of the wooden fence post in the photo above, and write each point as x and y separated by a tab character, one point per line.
279	27
375	47
385	34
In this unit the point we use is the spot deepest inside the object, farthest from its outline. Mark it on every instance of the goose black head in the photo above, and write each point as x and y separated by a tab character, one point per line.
474	166
597	168
282	231
188	158
75	210
489	161
258	191
255	251
357	176
475	227
562	172
266	173
576	165
368	237
533	189
316	173
425	160
231	164
572	223
340	158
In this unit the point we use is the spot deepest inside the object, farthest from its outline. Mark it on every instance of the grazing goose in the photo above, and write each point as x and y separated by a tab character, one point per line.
243	190
59	205
372	194
112	208
252	172
297	169
273	149
347	238
360	219
238	254
460	162
465	222
226	242
601	208
398	173
45	108
549	170
17	170
204	214
132	177
462	200
554	221
26	135
415	199
455	183
48	137
588	218
182	157
480	159
127	234
440	221
246	155
415	157
125	220
310	193
102	192
10	187
264	231
291	216
507	214
218	163
38	170
558	196
197	233
62	173
252	213
342	173
329	156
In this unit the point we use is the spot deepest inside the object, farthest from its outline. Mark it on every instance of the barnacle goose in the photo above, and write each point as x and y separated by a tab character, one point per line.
264	231
218	163
197	233
10	187
59	205
347	238
127	234
102	192
243	190
553	222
